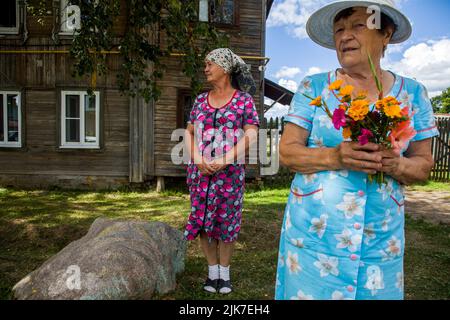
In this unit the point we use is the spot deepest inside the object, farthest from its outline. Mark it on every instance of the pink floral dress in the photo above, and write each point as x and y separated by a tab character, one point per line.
216	200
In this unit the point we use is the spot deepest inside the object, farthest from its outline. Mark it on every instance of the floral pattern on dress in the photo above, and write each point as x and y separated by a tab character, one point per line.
216	200
346	233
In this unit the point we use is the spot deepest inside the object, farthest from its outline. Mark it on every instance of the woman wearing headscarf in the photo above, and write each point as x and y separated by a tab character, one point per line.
342	235
219	129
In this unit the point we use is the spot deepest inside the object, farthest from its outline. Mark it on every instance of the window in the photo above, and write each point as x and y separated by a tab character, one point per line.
9	17
222	12
80	120
70	17
184	107
10	119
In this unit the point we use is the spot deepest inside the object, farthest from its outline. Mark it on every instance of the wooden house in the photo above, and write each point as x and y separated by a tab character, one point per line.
53	134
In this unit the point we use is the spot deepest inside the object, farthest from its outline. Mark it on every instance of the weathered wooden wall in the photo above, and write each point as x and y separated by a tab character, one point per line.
40	78
246	40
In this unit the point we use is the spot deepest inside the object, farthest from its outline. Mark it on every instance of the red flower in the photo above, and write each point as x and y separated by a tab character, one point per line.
339	118
365	136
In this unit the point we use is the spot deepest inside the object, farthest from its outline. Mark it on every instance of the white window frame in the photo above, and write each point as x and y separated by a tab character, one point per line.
13	30
82	144
63	18
5	142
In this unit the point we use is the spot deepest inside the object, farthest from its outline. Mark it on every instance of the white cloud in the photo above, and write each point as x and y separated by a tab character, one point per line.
427	62
395	48
313	70
286	72
288	84
294	14
278	110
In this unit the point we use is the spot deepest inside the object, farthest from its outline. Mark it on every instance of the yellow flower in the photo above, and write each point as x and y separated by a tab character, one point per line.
393	111
336	85
390	106
346	91
359	109
316	102
362	94
390	100
379	105
347	133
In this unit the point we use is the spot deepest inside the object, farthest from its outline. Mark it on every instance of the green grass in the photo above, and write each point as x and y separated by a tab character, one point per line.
35	225
431	186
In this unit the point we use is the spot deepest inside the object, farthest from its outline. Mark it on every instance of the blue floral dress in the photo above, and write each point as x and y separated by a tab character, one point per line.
342	236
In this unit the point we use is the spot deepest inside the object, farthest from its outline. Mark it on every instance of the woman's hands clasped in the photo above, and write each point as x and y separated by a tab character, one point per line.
369	158
355	157
208	168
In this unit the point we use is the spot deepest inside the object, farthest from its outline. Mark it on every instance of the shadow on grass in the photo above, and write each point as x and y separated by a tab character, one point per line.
35	225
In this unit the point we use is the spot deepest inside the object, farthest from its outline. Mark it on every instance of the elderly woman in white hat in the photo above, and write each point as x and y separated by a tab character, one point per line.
343	236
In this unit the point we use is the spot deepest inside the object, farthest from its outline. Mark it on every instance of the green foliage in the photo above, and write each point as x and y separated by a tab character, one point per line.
147	23
39	9
441	103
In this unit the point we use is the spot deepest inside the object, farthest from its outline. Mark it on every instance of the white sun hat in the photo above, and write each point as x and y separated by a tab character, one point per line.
320	25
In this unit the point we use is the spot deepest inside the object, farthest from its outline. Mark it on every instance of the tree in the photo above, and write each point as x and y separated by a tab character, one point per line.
441	103
176	19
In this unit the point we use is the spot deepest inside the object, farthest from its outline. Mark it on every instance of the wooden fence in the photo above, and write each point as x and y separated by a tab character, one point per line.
441	151
440	148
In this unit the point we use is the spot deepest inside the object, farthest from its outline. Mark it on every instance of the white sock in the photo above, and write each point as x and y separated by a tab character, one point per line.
224	272
213	272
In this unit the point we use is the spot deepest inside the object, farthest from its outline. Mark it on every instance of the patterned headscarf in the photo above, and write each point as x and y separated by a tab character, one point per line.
234	65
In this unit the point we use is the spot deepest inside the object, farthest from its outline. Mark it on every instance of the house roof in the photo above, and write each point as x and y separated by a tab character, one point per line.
269	6
277	93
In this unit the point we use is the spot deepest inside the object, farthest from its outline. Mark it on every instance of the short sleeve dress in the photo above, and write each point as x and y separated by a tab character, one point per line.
342	236
216	200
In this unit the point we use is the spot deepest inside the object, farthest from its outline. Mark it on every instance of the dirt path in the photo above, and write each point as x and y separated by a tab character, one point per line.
431	206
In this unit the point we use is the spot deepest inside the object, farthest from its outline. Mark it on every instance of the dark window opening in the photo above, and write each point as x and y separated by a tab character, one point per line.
8	14
185	101
223	11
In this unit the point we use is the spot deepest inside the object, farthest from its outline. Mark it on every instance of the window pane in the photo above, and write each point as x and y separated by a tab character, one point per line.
187	107
8	14
70	16
13	118
89	118
203	11
73	106
222	11
73	130
2	128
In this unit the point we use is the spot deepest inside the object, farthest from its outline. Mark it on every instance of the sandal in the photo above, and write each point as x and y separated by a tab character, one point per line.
225	287
211	285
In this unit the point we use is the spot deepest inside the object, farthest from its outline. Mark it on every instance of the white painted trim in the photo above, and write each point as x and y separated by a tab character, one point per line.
82	144
13	30
5	143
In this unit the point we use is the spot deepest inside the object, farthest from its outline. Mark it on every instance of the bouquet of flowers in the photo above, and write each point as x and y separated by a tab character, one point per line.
385	123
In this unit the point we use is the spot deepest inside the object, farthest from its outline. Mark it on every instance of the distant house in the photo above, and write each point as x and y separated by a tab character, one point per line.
53	134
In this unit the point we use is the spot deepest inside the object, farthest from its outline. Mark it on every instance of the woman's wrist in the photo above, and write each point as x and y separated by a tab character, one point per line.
332	159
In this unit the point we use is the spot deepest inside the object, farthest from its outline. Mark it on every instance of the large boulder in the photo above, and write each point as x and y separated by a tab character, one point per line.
116	260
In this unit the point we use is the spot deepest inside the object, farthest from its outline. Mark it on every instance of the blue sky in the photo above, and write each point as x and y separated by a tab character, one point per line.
425	56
